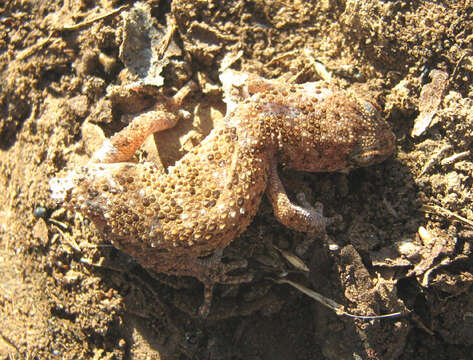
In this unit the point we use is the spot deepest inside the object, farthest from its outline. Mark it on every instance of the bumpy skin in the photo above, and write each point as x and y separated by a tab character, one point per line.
168	221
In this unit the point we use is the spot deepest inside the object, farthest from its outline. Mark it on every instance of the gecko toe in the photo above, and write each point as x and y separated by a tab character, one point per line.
316	221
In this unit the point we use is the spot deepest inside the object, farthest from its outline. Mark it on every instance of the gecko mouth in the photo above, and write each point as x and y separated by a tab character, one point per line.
366	158
383	148
372	156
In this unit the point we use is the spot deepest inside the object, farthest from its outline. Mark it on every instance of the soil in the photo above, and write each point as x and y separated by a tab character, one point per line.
403	248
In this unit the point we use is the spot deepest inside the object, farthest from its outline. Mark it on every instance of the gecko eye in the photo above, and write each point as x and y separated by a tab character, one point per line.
363	159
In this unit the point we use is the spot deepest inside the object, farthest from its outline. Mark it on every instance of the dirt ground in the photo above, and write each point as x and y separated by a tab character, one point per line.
404	245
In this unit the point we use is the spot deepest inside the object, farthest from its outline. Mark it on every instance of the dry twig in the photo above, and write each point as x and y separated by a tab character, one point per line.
92	20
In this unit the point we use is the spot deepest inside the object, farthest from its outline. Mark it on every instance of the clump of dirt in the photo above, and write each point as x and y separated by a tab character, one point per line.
404	245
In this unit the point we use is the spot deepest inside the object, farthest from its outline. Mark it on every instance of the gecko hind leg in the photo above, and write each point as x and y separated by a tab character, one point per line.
121	146
217	272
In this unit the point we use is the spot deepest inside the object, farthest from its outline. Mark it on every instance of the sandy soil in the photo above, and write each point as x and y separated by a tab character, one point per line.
404	244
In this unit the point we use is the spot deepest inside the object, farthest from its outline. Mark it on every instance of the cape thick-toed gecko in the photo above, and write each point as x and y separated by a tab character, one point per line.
170	221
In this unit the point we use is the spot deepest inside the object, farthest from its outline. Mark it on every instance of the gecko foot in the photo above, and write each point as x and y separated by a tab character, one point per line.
217	272
318	222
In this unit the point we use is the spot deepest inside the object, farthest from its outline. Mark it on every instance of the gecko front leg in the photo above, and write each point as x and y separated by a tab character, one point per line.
303	217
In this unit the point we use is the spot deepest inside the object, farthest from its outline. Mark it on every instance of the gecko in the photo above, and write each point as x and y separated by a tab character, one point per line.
178	222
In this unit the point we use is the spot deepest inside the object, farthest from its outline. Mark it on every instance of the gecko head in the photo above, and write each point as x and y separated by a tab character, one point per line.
375	141
341	131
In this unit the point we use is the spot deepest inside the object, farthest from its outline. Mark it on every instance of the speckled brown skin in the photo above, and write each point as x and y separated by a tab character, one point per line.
169	221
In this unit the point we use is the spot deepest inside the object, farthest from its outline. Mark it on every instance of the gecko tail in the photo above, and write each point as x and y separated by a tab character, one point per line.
60	188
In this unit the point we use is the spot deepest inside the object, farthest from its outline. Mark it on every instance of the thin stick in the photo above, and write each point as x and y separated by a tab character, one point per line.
336	307
97	18
438	210
30	51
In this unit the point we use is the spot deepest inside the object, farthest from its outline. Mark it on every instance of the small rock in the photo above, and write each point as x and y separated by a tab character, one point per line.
429	101
93	137
79	105
40	231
